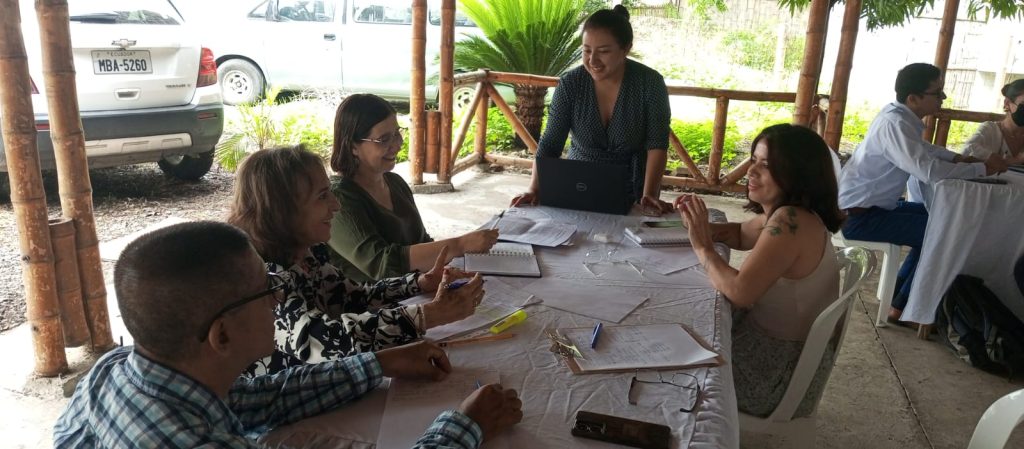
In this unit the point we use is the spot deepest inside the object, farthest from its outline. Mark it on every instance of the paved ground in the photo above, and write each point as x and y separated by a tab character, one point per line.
888	390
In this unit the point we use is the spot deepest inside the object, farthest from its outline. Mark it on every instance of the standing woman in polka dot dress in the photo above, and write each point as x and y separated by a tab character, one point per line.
615	108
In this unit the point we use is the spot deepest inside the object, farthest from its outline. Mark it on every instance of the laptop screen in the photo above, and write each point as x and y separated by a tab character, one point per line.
581	185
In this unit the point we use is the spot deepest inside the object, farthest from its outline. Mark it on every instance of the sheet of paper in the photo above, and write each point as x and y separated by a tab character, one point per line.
500	299
649	346
661	260
583	297
412	405
543	232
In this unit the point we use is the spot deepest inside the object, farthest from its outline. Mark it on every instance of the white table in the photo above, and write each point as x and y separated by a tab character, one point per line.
974	229
551	394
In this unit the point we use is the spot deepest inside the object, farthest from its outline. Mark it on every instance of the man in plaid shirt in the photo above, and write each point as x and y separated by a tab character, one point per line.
198	303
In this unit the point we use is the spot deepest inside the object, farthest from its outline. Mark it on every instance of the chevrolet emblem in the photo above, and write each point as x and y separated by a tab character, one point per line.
123	43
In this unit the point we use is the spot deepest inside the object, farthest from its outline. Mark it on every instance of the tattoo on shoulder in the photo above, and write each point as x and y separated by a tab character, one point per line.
780	221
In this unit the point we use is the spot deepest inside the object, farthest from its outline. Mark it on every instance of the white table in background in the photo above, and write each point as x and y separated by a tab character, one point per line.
551	394
973	228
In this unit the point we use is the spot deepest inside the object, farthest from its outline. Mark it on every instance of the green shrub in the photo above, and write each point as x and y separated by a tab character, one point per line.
696	138
959	132
756	49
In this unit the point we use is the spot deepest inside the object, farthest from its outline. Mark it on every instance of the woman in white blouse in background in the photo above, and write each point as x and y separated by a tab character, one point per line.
1004	137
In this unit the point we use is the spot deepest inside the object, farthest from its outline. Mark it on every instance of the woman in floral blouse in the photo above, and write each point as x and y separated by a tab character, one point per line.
282	199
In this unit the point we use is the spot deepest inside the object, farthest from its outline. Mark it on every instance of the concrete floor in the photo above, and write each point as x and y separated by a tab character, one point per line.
888	389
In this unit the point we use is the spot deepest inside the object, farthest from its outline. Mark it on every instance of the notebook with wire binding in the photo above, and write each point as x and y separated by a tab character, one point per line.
505	259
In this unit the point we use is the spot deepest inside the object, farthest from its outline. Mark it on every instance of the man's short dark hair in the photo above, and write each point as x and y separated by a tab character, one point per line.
914	79
170	281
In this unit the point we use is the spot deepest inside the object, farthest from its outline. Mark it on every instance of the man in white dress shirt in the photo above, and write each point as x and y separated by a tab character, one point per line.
871	185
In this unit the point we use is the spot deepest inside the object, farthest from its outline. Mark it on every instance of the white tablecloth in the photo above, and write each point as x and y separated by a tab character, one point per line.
974	229
551	394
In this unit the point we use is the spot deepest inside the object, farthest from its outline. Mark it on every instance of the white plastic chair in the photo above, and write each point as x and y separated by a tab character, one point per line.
997	423
886	278
855	265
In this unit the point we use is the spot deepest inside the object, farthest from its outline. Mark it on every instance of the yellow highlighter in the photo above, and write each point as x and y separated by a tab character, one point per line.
511	320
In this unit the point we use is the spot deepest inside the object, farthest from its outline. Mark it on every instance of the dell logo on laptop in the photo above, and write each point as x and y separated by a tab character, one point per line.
581	187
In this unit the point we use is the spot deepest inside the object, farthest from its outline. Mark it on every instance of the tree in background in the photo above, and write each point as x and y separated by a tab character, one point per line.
887	13
539	37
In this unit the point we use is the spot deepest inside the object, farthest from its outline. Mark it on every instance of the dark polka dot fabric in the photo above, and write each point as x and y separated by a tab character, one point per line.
639	122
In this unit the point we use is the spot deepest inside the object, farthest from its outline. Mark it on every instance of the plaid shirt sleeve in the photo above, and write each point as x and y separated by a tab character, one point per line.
451	430
302	391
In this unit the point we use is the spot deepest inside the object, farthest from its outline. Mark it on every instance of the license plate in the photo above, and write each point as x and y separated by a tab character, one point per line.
106	62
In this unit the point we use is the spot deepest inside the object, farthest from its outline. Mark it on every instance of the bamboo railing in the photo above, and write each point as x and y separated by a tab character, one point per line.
712	180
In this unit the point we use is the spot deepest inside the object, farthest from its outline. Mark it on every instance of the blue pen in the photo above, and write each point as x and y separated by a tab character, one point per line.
478	385
595	336
457	284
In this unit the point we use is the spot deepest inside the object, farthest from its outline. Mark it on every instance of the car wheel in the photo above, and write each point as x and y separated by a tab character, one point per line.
240	81
187	167
463	98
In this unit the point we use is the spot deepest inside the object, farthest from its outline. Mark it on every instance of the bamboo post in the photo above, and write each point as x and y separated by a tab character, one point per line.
517	125
433	141
72	167
467	120
28	198
69	286
942	132
814	48
480	140
942	50
717	140
695	173
417	97
841	76
445	99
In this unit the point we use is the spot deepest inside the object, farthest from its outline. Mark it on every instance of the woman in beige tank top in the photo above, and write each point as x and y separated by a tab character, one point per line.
790	274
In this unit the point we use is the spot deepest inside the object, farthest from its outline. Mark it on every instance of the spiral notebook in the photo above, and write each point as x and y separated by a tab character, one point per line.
645	236
505	259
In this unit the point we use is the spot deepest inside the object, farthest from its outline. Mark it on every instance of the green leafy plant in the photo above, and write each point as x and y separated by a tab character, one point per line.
539	37
756	49
888	13
696	138
267	124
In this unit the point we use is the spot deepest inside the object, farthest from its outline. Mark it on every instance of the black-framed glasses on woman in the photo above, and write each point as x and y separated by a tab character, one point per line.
685	381
388	139
275	284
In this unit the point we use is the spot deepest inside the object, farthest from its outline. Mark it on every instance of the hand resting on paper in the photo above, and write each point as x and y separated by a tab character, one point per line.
416	361
493	408
478	241
454	304
524	199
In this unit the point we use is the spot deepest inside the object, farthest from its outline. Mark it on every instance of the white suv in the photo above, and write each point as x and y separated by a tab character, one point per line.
147	89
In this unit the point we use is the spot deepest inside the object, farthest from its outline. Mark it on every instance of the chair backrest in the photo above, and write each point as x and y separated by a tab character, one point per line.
997	423
855	264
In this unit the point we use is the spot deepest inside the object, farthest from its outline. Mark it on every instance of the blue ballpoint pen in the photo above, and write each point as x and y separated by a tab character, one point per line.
595	336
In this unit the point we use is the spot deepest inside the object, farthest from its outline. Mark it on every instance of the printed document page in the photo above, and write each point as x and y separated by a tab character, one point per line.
651	346
413	405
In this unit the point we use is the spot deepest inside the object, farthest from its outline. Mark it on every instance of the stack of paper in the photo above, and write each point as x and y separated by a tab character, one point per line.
500	299
544	232
652	346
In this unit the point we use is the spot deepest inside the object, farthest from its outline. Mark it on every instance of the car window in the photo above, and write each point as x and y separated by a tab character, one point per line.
304	11
460	19
396	12
148	12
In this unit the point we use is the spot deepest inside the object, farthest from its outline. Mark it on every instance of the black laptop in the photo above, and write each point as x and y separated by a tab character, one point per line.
583	185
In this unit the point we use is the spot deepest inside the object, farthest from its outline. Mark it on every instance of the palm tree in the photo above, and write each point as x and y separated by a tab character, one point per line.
887	13
539	37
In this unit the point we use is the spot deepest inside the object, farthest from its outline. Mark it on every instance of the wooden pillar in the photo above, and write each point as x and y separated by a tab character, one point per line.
69	286
72	168
445	99
27	195
480	139
942	50
417	97
718	140
814	49
841	76
433	141
467	119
